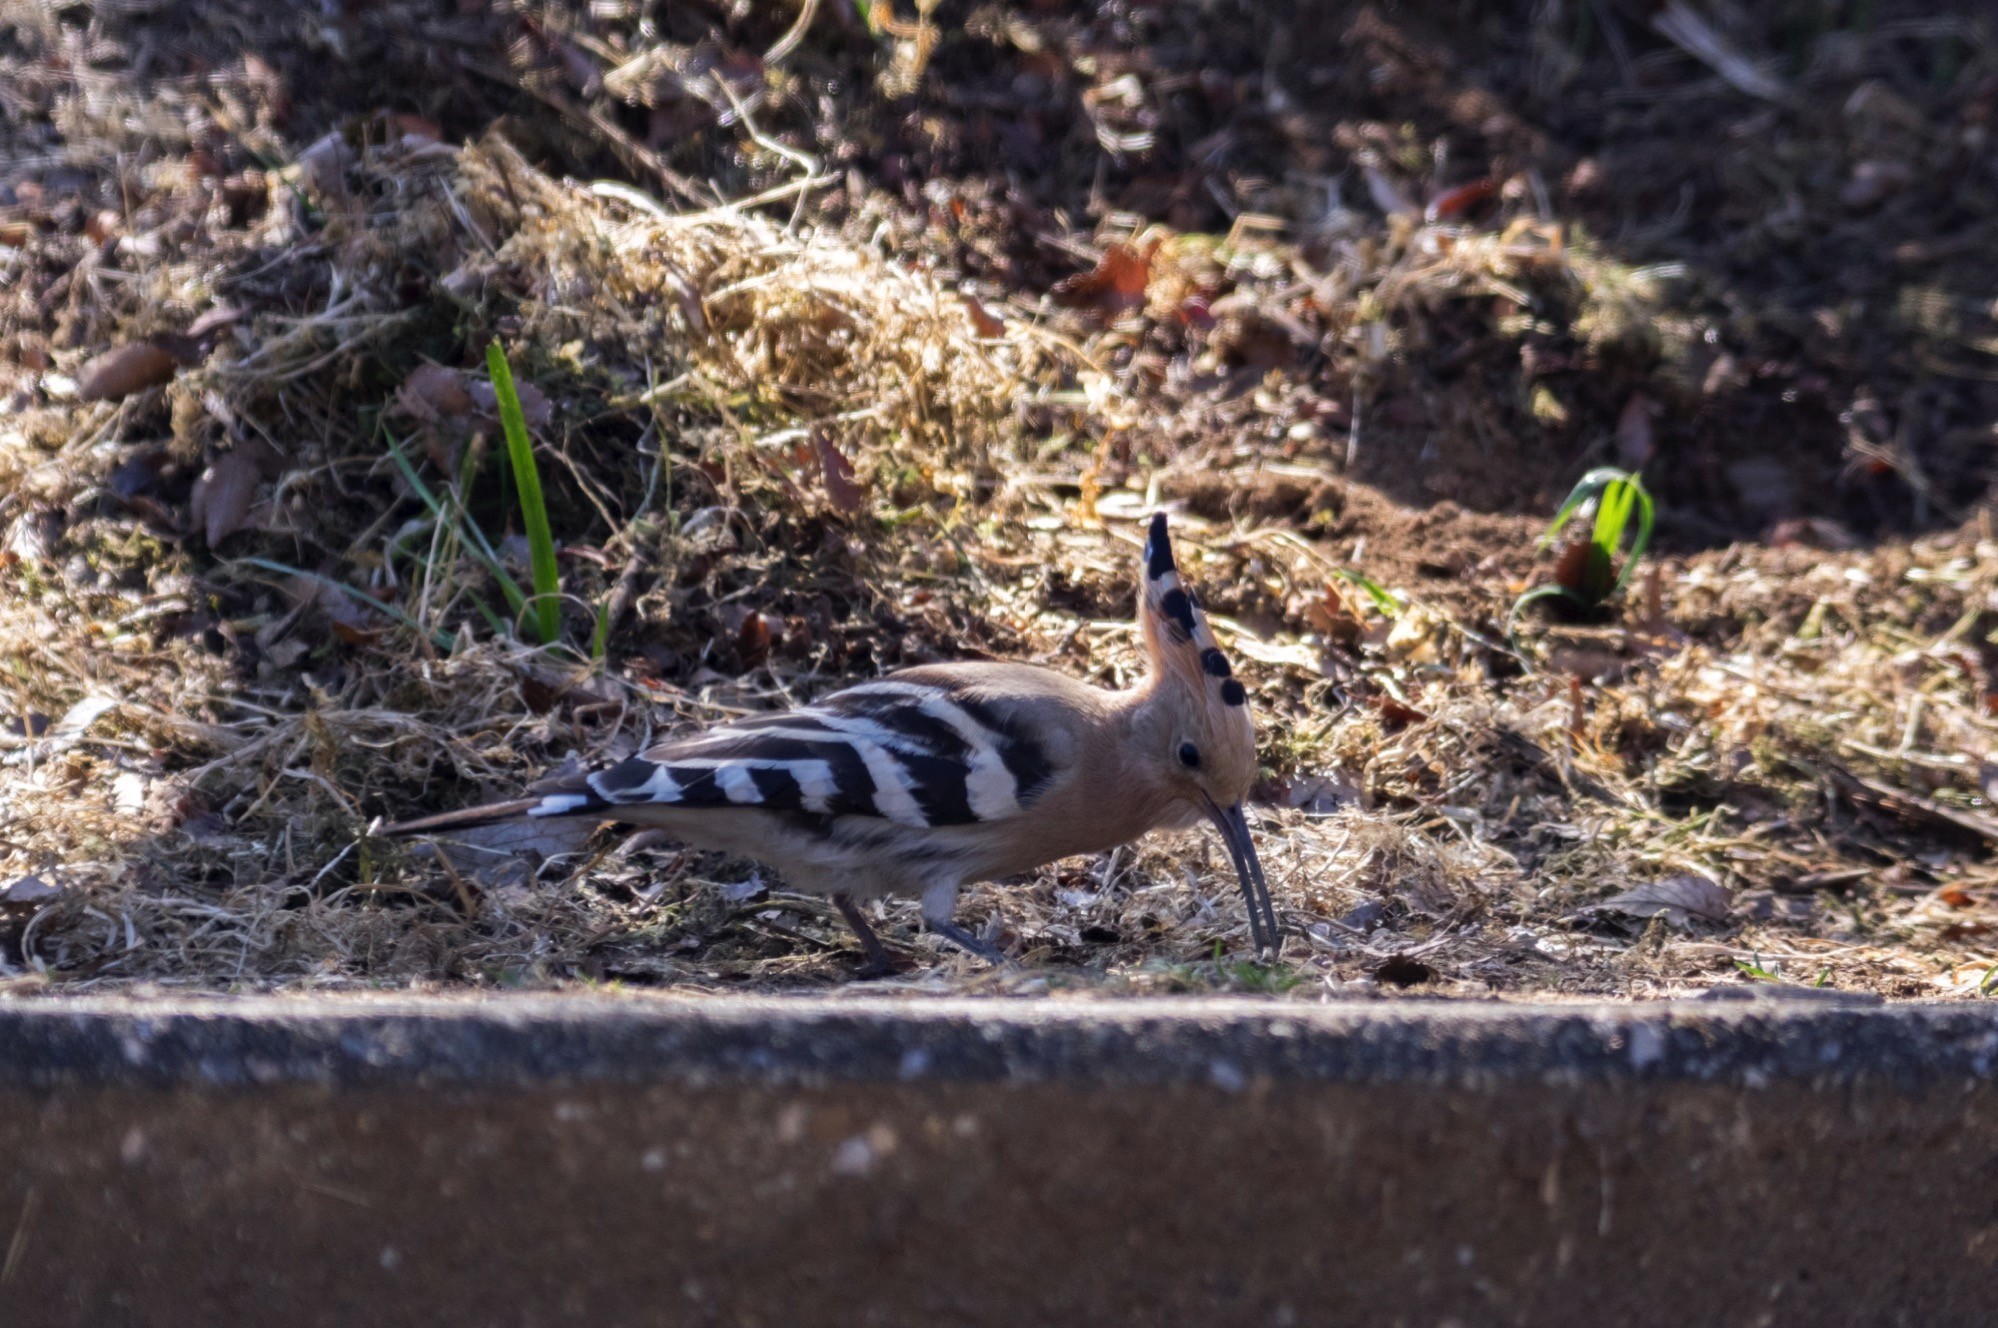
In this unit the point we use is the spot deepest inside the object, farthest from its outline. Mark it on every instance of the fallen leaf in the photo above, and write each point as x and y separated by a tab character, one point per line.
352	621
220	502
324	165
433	391
123	370
1363	915
1248	332
535	407
1678	899
1455	202
539	694
1115	285
135	475
1336	615
847	495
1396	712
981	320
408	126
36	536
214	319
1195	311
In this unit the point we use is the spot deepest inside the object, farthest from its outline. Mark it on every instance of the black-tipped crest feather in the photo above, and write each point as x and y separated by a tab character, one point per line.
1158	548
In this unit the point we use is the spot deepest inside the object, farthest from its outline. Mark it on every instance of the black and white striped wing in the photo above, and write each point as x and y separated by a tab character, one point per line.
917	754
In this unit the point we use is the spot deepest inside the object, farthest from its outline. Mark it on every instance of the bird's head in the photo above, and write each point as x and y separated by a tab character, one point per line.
1203	713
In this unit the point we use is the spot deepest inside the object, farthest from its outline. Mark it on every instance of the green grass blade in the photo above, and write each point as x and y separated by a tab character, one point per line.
1388	605
1586	488
1577	496
461	521
1612	515
1646	515
600	638
1534	596
493	620
533	509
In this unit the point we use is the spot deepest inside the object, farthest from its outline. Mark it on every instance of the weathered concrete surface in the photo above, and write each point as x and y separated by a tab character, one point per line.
792	1162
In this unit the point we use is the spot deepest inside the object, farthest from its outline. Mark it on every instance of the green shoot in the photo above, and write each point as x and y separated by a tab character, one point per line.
1264	979
600	637
533	509
1617	494
1755	972
1583	578
1383	600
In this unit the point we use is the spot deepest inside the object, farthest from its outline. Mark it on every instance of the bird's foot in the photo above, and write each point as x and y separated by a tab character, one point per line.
965	941
879	963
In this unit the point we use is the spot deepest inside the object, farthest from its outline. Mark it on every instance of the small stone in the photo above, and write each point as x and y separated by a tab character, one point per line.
1364	915
28	892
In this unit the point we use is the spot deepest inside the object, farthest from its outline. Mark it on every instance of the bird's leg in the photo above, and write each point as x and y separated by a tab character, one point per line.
878	962
939	903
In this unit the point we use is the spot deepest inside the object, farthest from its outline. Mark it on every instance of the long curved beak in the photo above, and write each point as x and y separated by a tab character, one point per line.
1234	828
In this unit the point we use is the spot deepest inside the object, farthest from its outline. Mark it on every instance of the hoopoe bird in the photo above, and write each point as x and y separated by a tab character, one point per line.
932	777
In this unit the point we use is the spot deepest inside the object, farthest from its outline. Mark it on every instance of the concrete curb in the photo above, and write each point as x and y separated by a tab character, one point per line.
217	1043
866	1160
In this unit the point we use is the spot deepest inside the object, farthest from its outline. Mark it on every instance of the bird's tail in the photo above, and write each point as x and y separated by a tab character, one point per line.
491	813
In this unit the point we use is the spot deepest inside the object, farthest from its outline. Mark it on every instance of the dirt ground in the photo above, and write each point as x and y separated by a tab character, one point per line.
861	336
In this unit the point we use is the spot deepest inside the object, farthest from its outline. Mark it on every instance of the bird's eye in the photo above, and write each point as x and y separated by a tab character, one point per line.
1189	756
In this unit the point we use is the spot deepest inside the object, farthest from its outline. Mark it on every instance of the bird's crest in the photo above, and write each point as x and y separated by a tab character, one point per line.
1177	636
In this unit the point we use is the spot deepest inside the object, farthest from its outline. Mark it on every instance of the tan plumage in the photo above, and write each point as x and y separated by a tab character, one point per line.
933	777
